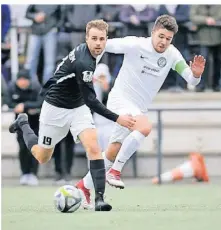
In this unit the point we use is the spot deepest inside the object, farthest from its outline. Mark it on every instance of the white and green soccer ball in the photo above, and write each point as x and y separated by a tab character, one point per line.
67	199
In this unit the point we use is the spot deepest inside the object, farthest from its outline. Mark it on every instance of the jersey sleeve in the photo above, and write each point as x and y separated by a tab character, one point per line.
122	45
179	64
84	76
181	67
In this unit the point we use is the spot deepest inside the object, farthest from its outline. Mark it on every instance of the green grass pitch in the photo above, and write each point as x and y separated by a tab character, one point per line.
167	207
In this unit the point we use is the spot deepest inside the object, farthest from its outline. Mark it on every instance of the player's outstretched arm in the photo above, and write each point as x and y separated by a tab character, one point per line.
191	73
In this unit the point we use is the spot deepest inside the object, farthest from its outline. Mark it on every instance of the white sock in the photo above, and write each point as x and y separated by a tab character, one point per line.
88	182
129	146
108	163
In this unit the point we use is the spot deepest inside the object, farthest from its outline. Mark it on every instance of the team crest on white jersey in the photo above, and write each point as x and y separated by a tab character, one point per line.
87	76
162	62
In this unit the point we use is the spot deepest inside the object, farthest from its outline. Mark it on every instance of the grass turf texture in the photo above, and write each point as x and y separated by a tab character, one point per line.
167	207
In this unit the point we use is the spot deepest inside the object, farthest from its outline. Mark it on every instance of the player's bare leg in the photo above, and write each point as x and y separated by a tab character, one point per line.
97	169
129	146
112	151
22	127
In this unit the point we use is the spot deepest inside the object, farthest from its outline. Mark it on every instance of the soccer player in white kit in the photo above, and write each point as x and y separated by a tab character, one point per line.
147	62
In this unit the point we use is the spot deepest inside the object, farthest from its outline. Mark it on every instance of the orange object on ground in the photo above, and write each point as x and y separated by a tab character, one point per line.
195	168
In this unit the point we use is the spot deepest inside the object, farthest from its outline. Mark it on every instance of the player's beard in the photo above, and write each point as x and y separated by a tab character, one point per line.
161	50
98	52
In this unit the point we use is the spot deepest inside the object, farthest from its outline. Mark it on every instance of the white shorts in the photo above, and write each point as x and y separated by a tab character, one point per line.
103	126
121	106
56	122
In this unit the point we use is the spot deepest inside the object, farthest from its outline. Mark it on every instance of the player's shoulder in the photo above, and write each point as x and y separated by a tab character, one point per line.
173	53
136	39
173	50
129	40
135	43
82	56
79	51
144	41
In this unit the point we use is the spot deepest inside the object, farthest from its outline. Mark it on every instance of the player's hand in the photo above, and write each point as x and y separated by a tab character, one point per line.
197	65
126	120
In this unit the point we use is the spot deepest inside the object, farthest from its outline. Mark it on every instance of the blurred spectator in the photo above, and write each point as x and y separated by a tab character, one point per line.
102	82
23	97
18	13
180	40
72	27
109	13
136	18
65	42
44	32
5	45
63	158
208	21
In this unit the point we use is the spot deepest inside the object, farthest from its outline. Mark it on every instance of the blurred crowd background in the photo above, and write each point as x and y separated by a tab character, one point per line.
35	38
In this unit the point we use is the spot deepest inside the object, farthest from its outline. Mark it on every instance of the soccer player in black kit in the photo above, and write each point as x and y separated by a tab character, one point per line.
69	97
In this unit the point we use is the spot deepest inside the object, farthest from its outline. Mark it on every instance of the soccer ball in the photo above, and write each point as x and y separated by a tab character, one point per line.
67	198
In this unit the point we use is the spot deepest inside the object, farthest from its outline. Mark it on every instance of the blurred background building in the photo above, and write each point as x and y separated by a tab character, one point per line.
36	37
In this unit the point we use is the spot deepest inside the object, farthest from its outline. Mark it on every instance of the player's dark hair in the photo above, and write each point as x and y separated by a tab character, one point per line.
166	22
99	24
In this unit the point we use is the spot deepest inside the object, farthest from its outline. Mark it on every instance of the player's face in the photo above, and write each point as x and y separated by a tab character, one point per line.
96	41
161	39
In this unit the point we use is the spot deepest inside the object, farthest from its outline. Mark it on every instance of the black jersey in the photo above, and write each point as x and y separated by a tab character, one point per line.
72	85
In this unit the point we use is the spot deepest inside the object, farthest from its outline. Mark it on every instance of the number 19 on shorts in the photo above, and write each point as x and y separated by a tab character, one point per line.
47	140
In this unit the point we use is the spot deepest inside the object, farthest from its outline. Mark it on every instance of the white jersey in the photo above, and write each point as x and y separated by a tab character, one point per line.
144	70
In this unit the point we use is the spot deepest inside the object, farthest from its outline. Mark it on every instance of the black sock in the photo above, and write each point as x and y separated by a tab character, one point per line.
97	170
29	136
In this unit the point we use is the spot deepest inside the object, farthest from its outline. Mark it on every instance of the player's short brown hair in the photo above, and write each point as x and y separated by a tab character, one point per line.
99	24
166	22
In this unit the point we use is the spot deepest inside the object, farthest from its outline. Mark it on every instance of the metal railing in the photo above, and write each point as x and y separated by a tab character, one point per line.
160	110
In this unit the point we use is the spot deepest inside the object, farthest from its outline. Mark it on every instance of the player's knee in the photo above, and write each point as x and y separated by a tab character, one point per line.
93	151
43	159
143	125
146	129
